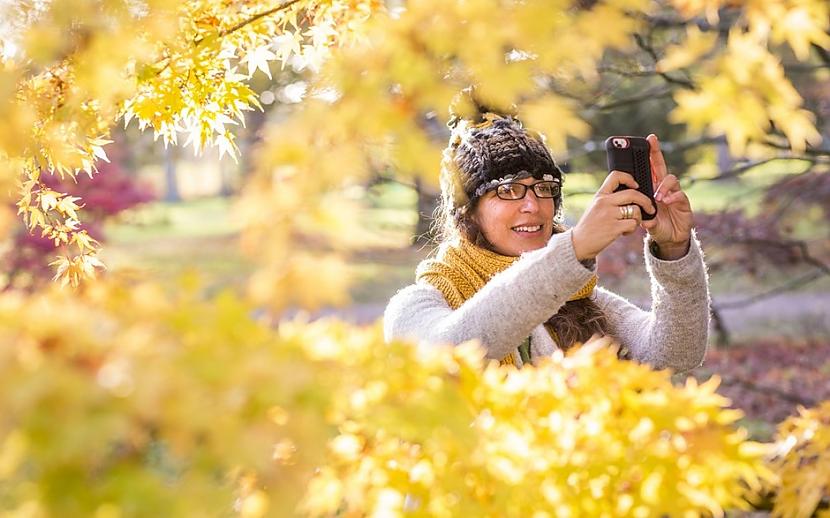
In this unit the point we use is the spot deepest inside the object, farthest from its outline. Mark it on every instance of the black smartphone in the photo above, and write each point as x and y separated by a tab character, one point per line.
630	155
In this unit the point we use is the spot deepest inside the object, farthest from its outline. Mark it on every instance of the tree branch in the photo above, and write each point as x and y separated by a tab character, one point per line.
822	152
739	170
684	83
256	17
722	27
804	67
823	53
604	69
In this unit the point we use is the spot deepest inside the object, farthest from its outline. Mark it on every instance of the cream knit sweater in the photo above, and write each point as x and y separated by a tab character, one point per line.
515	303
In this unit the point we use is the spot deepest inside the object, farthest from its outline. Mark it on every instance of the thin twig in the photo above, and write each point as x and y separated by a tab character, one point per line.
737	171
723	26
823	152
798	244
685	83
231	30
822	53
256	17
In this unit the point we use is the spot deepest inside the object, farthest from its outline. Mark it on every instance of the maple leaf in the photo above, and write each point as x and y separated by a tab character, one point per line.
259	59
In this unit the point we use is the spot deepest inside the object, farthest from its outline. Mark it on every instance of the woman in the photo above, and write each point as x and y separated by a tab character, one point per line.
508	274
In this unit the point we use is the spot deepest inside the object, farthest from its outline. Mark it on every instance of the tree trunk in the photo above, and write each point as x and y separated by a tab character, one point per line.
172	186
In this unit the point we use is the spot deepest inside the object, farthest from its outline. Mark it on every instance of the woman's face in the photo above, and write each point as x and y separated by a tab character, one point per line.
515	226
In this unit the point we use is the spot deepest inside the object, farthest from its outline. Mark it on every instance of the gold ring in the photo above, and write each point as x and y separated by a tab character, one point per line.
626	211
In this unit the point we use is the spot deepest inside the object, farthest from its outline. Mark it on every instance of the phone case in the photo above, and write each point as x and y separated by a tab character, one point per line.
630	154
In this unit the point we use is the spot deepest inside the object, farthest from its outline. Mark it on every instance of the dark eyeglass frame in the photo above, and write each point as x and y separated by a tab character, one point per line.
556	189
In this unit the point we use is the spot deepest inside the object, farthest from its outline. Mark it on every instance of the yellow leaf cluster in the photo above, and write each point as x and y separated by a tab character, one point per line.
66	80
71	68
205	407
696	45
744	93
56	215
802	462
137	400
436	432
799	23
758	93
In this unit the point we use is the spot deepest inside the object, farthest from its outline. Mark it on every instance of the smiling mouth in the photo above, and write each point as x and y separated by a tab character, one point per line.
528	229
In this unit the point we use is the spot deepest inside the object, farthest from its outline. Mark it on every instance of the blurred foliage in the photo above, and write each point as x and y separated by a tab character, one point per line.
71	68
170	404
427	433
803	461
128	399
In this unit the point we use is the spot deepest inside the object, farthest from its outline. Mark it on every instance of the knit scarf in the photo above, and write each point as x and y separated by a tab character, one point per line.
461	268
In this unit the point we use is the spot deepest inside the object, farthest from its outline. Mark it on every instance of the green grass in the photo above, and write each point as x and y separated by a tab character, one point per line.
164	241
207	217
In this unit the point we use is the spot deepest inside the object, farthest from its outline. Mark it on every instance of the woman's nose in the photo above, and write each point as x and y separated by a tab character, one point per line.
530	203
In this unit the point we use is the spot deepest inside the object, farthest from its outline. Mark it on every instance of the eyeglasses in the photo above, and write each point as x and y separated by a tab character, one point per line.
517	191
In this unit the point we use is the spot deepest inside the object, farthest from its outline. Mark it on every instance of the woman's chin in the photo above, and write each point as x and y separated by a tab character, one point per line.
521	244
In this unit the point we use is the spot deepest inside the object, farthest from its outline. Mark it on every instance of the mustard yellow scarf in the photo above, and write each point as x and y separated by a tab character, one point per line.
461	268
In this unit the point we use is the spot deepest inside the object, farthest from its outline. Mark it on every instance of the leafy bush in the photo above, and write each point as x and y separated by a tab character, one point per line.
130	398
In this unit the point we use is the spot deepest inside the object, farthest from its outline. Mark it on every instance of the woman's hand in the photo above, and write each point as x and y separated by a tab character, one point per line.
672	228
610	215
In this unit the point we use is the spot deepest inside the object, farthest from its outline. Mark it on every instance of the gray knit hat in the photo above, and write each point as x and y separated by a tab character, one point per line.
490	150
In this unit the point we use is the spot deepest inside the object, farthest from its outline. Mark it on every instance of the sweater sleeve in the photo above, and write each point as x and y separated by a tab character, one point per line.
675	332
503	312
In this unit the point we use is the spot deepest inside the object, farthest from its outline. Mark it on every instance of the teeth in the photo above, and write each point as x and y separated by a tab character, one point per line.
527	229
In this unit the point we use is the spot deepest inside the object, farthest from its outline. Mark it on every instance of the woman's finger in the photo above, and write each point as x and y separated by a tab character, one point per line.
648	224
627	226
614	180
658	163
629	217
629	197
669	185
675	197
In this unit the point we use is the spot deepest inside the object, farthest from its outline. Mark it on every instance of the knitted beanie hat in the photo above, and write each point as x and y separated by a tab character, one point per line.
490	150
